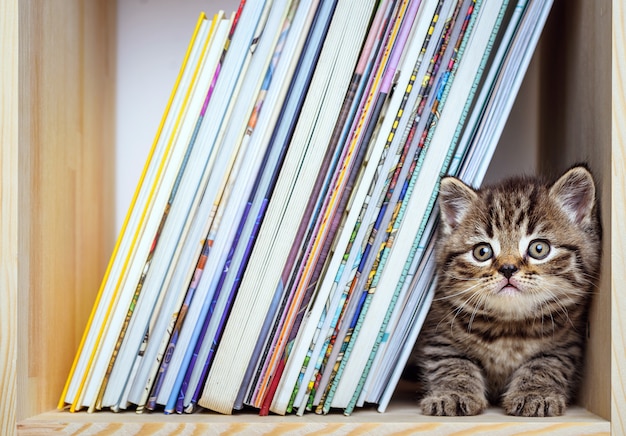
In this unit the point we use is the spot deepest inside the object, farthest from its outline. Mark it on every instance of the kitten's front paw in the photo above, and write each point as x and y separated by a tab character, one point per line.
534	404
452	404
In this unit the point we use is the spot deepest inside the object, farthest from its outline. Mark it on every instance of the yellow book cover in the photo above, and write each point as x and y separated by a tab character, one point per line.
149	161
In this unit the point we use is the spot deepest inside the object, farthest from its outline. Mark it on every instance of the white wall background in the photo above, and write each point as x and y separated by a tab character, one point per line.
152	38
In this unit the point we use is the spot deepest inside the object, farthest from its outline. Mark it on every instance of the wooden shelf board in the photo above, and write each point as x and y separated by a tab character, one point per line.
400	419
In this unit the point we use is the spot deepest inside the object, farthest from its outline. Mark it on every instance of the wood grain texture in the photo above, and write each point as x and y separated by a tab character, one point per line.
618	220
8	213
401	419
65	162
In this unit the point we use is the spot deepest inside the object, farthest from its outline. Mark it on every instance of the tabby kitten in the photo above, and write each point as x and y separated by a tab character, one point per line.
517	265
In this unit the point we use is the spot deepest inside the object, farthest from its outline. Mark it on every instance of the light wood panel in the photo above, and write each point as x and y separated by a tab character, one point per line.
8	212
400	419
65	168
618	221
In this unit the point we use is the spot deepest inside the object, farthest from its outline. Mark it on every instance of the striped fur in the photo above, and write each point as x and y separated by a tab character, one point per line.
508	323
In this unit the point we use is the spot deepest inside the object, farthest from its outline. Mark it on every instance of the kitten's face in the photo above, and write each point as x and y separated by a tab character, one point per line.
520	250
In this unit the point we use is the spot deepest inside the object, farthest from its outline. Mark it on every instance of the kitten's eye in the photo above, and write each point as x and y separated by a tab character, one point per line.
482	252
539	249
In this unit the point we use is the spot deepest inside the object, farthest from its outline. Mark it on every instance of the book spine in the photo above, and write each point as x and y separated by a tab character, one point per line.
151	402
369	288
253	305
466	30
128	236
379	89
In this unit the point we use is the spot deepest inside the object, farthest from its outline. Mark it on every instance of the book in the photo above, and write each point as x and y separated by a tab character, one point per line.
241	78
163	319
121	364
520	37
386	241
373	212
320	308
288	201
280	139
332	199
279	251
141	204
244	166
290	42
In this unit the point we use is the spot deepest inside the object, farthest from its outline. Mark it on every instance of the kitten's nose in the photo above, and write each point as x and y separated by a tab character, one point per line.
507	270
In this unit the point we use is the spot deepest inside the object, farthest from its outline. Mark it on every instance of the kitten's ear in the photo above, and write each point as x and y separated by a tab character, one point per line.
575	193
455	200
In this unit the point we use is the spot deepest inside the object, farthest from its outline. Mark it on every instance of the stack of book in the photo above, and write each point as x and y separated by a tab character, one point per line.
278	251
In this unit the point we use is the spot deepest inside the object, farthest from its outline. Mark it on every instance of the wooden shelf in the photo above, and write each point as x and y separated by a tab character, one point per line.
56	226
401	418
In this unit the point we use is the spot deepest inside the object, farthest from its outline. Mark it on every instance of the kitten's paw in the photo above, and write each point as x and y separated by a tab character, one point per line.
452	404
534	404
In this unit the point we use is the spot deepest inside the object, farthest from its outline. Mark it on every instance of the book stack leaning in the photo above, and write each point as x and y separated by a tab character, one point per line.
277	253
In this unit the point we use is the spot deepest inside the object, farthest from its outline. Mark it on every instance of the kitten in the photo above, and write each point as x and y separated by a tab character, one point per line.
517	264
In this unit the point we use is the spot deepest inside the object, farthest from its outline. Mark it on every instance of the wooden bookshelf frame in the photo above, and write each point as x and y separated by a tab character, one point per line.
56	172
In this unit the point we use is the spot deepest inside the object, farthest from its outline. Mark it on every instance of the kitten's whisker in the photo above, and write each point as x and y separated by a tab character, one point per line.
584	279
563	308
481	302
543	316
446	297
462	306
